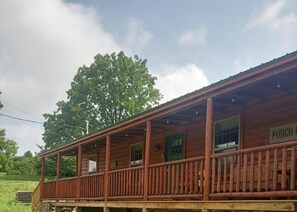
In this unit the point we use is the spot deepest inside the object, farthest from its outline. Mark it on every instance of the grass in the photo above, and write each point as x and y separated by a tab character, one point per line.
9	185
20	177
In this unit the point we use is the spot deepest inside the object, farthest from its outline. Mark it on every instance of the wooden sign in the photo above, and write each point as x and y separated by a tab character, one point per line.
283	133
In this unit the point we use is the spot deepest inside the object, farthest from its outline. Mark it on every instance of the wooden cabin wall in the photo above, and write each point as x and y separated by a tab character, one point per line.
260	118
194	141
120	151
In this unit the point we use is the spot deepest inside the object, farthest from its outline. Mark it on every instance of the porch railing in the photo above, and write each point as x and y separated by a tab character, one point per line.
67	188
267	171
92	186
36	198
126	183
48	190
183	178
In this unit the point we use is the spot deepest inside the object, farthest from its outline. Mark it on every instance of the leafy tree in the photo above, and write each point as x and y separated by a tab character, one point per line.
113	88
24	165
8	149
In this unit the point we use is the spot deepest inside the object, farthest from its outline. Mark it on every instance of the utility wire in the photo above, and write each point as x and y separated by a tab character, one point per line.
21	119
17	108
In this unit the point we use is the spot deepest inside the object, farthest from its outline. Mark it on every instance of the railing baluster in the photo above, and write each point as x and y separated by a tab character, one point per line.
284	169
252	167
182	179
191	177
164	179
161	180
231	186
259	185
213	175
173	173
245	170
225	174
157	181
201	177
275	170
267	170
238	174
177	179
293	168
196	177
187	178
219	175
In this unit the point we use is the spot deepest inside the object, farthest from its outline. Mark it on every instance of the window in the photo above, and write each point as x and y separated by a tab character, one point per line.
226	135
136	151
92	163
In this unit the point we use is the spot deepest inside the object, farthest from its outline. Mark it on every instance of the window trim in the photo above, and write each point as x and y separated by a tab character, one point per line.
214	150
96	156
135	144
183	135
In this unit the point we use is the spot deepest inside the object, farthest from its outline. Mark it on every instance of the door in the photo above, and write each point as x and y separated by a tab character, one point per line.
174	150
174	147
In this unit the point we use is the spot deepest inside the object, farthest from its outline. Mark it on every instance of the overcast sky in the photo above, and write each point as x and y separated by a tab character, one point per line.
188	45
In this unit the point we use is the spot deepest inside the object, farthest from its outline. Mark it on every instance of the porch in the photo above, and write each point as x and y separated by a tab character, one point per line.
263	172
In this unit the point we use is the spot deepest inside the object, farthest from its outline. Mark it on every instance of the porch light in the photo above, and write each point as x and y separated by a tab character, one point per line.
157	147
232	100
126	134
196	112
278	85
167	121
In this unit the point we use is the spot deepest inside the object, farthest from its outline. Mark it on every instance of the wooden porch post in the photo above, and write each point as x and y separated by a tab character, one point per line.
208	147
58	173
147	159
79	161
107	167
42	176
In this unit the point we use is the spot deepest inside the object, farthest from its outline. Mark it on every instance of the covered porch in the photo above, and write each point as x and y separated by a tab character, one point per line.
235	140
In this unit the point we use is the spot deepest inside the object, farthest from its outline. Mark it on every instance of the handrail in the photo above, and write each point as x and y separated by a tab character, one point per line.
126	169
177	161
68	178
36	196
91	175
257	149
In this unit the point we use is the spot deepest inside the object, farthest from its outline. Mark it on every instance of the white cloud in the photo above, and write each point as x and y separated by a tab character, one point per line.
42	44
193	37
180	80
137	36
274	18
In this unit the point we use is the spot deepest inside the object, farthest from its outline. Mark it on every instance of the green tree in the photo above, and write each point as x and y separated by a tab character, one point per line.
24	165
8	149
113	88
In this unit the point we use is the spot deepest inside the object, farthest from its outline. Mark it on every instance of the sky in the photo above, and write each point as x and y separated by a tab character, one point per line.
188	44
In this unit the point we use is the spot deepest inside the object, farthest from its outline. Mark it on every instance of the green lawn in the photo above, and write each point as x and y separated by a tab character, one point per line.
9	185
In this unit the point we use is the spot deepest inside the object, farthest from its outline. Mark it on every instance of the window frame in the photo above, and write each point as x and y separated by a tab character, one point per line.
237	146
183	136
96	170
130	155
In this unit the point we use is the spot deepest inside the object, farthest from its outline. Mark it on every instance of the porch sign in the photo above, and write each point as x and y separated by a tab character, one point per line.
283	133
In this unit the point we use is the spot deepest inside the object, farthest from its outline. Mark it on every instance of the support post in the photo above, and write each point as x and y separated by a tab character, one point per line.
79	161
147	159
208	147
58	173
107	167
42	174
106	209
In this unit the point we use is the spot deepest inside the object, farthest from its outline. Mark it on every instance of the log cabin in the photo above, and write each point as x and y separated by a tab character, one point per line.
228	146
